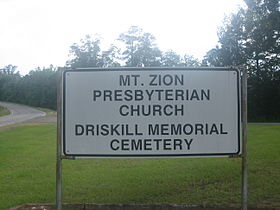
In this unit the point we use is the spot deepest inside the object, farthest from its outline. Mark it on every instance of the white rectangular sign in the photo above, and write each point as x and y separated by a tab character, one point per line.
151	112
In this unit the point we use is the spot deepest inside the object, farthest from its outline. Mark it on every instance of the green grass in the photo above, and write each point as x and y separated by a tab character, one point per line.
27	173
4	111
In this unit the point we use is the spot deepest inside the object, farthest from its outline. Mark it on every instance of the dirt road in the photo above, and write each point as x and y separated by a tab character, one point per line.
19	113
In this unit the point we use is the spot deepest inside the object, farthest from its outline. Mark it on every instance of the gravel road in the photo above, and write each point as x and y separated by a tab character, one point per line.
19	113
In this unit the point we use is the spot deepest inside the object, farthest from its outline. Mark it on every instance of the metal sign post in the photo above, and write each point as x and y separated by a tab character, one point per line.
244	199
59	146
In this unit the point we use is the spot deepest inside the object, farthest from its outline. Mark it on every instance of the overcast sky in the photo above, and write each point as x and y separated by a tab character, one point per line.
39	32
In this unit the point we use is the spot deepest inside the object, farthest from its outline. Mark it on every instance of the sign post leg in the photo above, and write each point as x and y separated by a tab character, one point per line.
59	148
244	199
58	184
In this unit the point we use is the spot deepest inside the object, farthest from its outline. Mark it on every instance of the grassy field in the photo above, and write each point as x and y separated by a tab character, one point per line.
27	173
4	111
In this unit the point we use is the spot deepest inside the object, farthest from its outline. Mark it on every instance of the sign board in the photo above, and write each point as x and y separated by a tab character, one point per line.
151	112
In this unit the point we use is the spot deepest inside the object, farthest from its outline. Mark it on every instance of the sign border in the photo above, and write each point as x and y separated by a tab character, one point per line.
147	69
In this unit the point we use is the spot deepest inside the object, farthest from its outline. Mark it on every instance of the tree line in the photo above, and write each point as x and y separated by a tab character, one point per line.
249	38
37	88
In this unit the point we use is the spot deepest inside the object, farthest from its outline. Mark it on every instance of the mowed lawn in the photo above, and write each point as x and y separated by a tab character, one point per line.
27	173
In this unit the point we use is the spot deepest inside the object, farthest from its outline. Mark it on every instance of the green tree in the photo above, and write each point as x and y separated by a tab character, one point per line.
231	48
190	61
9	79
86	54
39	87
251	38
170	59
140	48
110	57
9	70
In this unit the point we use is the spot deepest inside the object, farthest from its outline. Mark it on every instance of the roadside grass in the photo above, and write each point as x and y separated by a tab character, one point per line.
27	173
4	111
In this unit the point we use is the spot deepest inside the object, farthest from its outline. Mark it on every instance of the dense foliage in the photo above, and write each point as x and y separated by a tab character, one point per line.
38	88
250	38
136	49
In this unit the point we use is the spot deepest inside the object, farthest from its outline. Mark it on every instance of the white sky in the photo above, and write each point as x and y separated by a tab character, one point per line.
40	32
